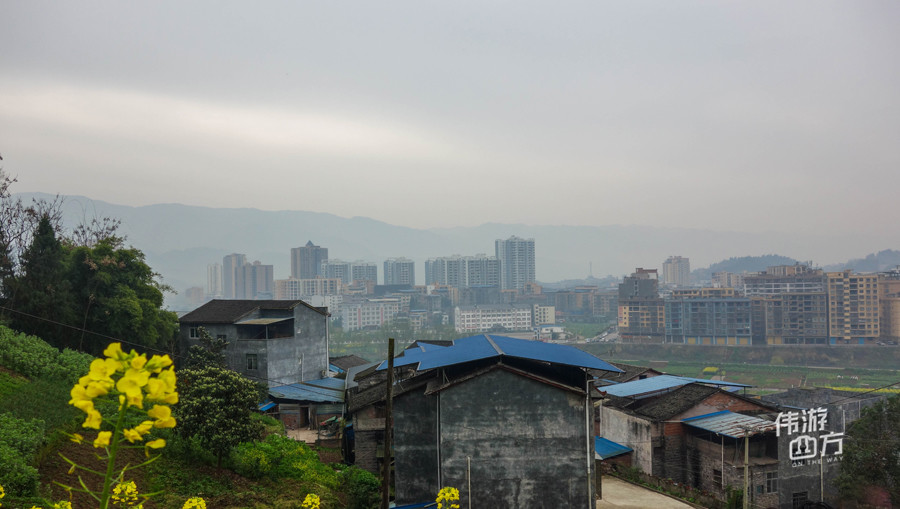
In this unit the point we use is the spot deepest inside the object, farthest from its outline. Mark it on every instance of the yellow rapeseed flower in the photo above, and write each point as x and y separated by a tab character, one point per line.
194	503
311	501
103	439
448	495
163	416
76	438
114	351
93	420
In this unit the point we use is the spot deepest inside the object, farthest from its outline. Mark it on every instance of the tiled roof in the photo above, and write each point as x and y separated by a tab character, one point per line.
346	362
230	311
678	401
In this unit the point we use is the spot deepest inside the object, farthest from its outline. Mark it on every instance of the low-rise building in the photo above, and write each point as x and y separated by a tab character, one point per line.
492	318
272	341
505	420
369	313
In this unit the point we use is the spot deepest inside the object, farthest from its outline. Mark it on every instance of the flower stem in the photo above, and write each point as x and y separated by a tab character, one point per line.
111	459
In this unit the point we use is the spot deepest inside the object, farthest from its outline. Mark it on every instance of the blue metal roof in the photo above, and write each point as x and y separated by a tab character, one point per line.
655	384
328	383
605	449
485	346
265	406
325	390
730	424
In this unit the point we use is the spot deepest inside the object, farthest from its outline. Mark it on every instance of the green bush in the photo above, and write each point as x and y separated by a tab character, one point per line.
363	489
280	457
21	435
17	477
33	357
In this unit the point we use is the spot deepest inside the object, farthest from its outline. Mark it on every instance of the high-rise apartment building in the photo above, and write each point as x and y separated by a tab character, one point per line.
708	316
255	281
889	297
294	289
306	261
516	257
230	266
789	305
853	308
348	272
677	271
214	281
642	315
399	271
784	279
463	271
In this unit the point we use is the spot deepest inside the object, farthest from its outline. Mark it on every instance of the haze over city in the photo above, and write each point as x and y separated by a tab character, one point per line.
740	117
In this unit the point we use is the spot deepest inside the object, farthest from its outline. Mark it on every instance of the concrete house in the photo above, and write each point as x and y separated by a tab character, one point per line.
700	435
506	421
276	342
646	415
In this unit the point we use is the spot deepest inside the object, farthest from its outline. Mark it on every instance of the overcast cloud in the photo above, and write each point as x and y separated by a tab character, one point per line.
747	116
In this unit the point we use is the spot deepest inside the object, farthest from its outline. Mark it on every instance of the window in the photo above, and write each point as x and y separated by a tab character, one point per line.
193	333
798	499
771	482
717	478
223	337
252	363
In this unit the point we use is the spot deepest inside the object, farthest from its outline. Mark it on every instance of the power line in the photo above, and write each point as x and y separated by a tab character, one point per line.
277	383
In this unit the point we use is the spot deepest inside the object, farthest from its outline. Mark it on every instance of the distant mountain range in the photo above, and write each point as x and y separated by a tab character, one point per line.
180	240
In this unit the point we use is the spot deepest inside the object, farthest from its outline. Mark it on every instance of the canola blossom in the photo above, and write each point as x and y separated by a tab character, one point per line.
126	495
311	501
194	503
137	380
448	498
144	389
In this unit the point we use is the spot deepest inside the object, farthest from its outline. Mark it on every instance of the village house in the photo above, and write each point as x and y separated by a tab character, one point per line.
504	420
276	342
701	433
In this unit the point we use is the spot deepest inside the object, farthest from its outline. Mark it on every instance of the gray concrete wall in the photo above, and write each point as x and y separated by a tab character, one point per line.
806	475
416	447
280	361
630	431
526	441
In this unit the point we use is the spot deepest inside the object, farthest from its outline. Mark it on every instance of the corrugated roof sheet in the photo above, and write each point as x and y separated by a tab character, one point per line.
604	449
262	321
326	390
730	424
485	346
649	386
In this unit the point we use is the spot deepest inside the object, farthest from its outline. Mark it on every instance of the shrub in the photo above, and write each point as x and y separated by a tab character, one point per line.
280	457
27	355
363	489
17	476
22	436
33	357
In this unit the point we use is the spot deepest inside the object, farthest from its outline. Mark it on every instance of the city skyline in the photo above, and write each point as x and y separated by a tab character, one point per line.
714	116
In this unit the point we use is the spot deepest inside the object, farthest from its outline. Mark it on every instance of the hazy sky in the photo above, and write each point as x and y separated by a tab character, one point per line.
745	116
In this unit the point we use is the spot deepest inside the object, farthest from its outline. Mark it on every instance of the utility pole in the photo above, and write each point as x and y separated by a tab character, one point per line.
747	468
388	428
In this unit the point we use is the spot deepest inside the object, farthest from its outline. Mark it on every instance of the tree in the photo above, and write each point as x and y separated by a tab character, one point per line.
117	294
216	406
872	453
42	294
208	352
